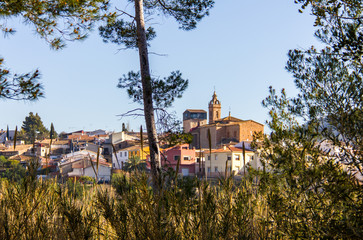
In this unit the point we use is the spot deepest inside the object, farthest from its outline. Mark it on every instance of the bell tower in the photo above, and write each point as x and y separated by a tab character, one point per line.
214	109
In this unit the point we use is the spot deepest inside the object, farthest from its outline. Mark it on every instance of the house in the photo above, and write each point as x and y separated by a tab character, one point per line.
115	139
58	147
3	136
84	163
230	156
97	132
84	168
255	161
19	150
180	153
225	130
81	138
79	142
124	154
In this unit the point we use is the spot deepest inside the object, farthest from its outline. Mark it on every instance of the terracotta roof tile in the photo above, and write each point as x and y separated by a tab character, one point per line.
229	149
81	137
18	148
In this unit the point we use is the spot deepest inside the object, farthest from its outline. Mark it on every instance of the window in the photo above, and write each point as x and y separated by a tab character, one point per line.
238	157
176	157
186	158
217	115
216	157
229	158
125	154
197	160
208	169
209	157
186	148
215	169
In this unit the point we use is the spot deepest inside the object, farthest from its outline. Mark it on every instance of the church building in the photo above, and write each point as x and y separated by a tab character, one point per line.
224	130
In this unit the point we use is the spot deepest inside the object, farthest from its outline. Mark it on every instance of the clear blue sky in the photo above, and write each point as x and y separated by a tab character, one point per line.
240	49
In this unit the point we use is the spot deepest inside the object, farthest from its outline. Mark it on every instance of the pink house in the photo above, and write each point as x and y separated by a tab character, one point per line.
182	153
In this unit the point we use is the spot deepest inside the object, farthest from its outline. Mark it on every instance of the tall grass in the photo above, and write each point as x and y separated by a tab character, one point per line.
184	209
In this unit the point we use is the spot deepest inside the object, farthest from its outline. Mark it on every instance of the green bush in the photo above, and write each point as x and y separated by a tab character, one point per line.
11	169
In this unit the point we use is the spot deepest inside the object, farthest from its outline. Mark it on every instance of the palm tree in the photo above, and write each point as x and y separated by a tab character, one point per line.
134	163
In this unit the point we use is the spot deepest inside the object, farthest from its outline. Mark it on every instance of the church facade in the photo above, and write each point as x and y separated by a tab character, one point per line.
227	130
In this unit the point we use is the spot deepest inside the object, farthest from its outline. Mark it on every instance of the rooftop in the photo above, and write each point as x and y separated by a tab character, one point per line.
195	110
229	149
17	148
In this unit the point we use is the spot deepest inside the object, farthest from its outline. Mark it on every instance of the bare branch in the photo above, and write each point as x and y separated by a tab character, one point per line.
132	113
159	54
124	13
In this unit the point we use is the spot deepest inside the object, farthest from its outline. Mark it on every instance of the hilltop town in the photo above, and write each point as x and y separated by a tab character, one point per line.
78	154
215	174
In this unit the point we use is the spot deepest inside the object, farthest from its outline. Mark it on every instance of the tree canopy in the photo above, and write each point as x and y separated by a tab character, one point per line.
123	31
55	21
33	128
313	157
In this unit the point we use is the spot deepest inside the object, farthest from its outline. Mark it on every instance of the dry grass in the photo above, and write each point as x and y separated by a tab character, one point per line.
186	209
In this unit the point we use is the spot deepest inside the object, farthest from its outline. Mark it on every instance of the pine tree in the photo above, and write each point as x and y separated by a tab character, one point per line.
140	85
33	128
55	21
313	156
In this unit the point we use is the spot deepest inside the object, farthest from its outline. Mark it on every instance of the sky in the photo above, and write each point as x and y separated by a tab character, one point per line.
238	51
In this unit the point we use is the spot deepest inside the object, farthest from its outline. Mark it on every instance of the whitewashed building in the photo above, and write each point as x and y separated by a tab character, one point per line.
84	163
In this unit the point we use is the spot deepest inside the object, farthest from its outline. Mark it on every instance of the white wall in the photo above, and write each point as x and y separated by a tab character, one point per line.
104	172
122	157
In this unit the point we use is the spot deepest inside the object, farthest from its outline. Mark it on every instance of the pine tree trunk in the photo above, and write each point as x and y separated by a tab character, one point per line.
147	91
